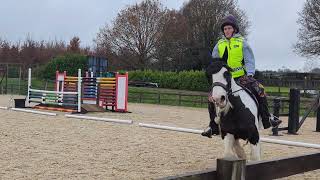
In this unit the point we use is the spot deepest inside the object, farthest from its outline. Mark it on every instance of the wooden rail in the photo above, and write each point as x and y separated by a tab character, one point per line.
262	170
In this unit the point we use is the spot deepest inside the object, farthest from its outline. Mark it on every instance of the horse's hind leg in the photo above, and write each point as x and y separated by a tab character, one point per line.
255	154
228	146
238	149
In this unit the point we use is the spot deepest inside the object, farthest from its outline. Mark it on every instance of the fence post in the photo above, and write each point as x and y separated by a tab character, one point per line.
140	97
318	119
276	112
7	74
159	96
179	99
294	108
19	80
11	88
234	169
46	85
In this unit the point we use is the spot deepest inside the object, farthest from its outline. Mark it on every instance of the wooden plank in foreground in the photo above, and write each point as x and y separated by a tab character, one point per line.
263	170
282	167
209	174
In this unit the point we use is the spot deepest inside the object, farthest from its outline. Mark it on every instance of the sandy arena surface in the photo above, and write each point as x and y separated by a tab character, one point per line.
41	147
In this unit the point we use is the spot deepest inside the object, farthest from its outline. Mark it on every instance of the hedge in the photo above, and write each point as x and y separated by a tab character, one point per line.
184	80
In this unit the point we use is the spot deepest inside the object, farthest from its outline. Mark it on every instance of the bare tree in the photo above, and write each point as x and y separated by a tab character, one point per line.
308	44
5	51
204	19
173	42
310	64
29	51
74	45
136	31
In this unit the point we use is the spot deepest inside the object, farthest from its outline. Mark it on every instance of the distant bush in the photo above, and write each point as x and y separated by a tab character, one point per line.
69	62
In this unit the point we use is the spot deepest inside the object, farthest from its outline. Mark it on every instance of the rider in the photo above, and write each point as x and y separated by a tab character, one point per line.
238	55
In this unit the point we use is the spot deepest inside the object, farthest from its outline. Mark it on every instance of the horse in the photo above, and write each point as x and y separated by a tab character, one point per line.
236	112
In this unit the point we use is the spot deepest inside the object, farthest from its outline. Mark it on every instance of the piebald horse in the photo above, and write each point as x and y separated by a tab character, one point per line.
236	112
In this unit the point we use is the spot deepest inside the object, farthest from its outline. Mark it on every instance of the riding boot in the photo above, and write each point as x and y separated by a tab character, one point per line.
213	128
268	120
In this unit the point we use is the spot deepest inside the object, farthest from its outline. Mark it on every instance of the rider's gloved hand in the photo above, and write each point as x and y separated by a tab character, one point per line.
209	132
249	76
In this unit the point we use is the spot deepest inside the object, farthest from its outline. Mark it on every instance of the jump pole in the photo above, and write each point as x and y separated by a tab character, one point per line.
262	139
33	111
29	86
99	119
53	92
290	143
170	128
4	108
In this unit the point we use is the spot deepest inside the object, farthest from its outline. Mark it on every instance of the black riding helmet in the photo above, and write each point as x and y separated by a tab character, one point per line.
230	20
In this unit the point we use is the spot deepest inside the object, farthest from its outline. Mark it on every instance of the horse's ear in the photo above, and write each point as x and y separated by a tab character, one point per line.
214	67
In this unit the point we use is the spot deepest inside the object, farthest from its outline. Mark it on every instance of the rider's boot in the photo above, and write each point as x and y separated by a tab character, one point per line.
274	121
268	119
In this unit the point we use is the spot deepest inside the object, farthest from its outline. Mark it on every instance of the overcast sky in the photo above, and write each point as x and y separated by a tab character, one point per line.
273	24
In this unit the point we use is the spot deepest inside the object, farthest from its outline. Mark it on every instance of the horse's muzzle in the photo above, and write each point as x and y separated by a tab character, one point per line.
220	101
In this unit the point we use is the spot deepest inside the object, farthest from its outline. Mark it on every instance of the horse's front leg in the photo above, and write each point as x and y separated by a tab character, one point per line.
238	149
218	114
228	146
255	154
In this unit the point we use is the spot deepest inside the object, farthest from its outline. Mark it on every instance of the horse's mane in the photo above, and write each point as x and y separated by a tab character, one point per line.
215	67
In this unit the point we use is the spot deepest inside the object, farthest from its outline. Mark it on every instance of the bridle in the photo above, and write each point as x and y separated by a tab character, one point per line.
226	87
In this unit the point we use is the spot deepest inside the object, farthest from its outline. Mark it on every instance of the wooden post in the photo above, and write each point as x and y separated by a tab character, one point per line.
179	99
294	108
276	112
231	169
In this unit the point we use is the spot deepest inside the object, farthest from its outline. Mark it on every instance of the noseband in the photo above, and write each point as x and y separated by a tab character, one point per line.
227	87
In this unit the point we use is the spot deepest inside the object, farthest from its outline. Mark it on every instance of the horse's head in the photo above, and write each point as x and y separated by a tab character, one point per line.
218	74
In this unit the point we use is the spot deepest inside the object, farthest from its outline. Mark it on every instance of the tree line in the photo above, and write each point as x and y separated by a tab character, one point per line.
30	52
148	35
